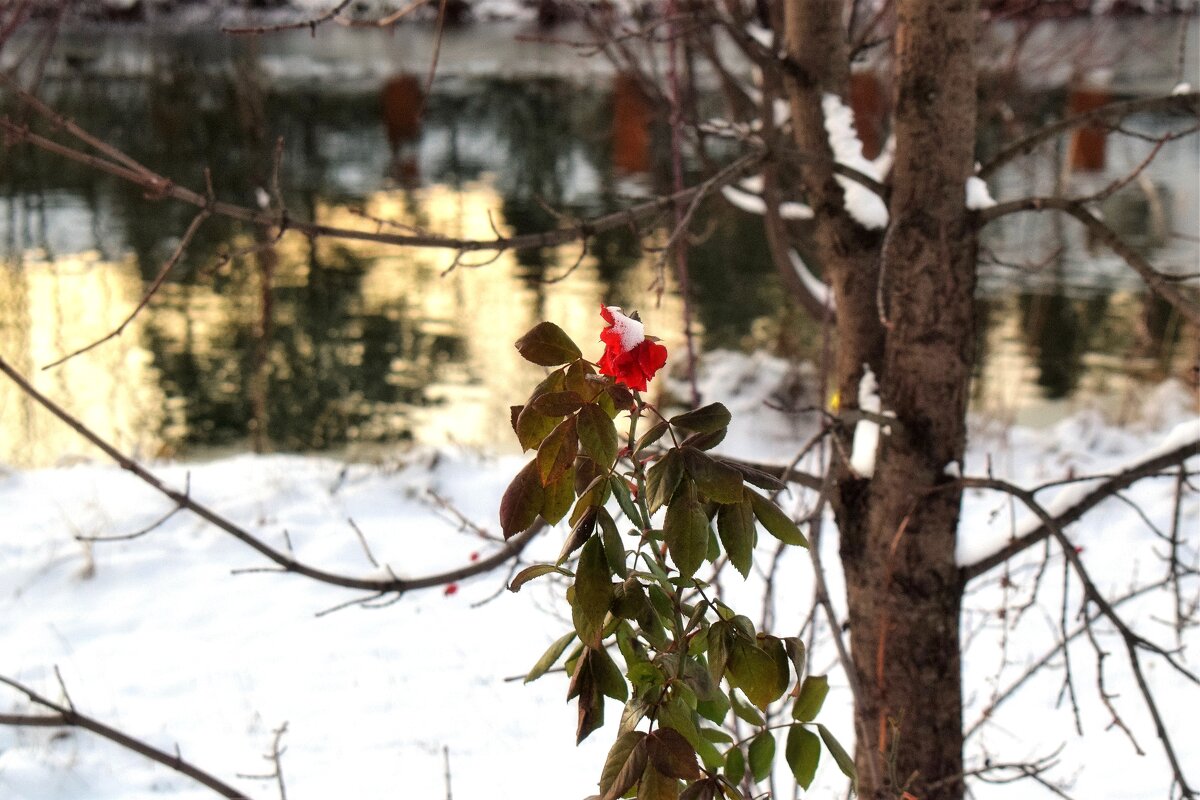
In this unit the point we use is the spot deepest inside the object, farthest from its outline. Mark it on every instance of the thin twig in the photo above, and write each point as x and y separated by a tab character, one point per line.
167	266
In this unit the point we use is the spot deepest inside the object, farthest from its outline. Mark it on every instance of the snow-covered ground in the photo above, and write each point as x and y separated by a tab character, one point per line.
158	637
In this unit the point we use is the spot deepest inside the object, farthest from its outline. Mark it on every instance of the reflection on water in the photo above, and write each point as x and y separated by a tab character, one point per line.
366	345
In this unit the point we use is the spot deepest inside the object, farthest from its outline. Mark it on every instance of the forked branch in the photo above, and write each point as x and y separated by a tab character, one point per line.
66	716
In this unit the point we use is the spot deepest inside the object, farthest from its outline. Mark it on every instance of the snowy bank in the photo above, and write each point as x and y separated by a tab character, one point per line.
157	636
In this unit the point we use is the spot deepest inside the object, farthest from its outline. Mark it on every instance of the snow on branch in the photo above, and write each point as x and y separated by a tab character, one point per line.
1180	444
865	206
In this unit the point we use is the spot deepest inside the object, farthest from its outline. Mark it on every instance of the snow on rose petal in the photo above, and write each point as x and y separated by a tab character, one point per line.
629	356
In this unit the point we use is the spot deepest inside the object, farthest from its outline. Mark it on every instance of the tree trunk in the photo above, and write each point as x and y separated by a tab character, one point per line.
898	526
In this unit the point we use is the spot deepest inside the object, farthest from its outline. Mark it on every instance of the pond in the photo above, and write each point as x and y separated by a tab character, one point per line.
357	348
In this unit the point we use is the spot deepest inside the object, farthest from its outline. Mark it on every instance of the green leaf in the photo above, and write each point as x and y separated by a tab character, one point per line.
662	478
675	714
624	765
579	380
620	490
633	713
735	765
686	533
746	711
705	441
548	345
719	638
672	754
614	548
715	707
609	679
773	646
552	654
533	427
591	715
536	571
796	652
811	698
656	786
597	435
844	761
522	501
650	437
762	754
803	752
582	529
715	735
777	523
687	693
557	451
621	397
743	625
760	479
753	670
586	473
594	495
558	496
718	481
593	593
558	404
701	790
630	601
735	524
707	419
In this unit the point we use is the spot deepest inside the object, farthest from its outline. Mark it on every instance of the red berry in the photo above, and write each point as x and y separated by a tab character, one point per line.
450	589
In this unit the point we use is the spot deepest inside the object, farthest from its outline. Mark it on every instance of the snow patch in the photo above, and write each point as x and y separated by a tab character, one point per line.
866	432
865	206
631	331
978	196
816	287
753	204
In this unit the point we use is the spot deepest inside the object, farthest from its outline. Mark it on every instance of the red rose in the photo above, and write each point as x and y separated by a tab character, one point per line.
629	355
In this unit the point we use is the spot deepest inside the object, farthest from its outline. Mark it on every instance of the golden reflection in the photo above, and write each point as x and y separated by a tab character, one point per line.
458	327
485	307
49	307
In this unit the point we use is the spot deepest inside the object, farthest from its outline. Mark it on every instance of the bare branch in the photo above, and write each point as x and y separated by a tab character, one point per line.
167	266
1149	467
1134	643
285	561
158	187
1155	280
311	24
68	717
1182	103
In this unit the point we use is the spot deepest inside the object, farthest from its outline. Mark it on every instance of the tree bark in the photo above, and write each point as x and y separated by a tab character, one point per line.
898	526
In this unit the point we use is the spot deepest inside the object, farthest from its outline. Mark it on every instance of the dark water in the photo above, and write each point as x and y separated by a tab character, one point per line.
367	346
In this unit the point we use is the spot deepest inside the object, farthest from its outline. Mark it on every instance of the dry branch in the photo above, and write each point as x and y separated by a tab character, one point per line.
1181	103
1152	466
158	187
1158	283
65	716
391	585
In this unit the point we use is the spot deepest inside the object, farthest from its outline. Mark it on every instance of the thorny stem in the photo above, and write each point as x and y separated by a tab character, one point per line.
644	509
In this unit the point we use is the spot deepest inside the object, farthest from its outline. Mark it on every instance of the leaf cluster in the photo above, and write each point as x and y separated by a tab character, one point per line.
690	664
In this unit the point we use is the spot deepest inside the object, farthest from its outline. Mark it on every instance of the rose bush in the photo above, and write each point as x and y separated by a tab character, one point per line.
691	664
